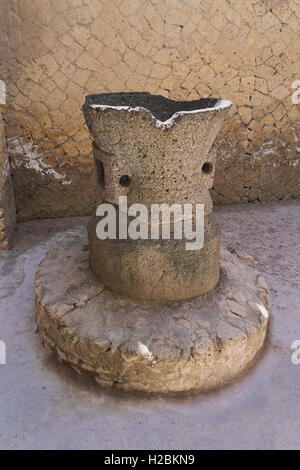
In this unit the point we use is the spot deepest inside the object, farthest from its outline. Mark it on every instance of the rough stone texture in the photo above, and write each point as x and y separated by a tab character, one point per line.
194	345
160	144
156	269
7	203
54	52
44	404
162	148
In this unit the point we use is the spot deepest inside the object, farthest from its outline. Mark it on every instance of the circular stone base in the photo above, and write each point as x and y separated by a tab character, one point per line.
190	345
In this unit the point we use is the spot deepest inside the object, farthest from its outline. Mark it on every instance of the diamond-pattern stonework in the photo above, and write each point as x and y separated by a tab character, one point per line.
54	52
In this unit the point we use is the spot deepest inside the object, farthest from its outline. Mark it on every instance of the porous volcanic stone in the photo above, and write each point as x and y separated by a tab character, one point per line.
156	269
192	345
155	150
162	145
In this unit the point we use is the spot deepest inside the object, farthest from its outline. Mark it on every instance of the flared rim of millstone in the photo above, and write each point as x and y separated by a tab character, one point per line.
164	111
186	346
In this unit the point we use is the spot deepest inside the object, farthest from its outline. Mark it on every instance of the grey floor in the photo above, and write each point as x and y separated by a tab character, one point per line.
45	405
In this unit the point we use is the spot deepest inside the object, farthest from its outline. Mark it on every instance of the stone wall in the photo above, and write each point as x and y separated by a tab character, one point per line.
7	204
54	52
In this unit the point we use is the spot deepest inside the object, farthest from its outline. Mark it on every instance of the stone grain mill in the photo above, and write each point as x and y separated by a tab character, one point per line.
149	315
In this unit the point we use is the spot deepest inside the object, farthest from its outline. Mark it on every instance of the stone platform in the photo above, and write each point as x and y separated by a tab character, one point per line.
191	345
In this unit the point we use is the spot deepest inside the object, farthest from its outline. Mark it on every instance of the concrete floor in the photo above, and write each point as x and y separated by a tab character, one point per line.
45	405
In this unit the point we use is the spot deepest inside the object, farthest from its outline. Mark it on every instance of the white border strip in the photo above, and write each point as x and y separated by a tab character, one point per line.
221	104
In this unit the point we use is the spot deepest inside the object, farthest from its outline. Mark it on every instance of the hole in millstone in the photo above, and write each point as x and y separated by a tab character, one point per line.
125	180
207	168
100	172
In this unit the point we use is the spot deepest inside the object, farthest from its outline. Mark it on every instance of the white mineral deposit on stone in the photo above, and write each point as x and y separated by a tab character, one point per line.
221	104
144	351
32	160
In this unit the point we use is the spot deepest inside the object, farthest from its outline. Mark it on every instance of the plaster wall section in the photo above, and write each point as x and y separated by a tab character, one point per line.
54	52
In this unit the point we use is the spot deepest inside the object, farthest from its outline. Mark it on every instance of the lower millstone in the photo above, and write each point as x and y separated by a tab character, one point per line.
160	270
191	345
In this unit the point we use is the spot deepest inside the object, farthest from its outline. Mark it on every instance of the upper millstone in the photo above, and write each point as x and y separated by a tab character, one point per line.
161	145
